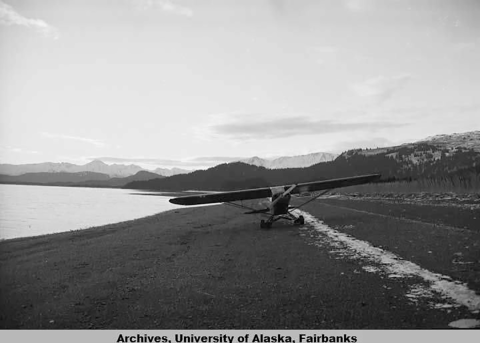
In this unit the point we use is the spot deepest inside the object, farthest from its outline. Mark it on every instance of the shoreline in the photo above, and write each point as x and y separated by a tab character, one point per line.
29	211
141	191
71	231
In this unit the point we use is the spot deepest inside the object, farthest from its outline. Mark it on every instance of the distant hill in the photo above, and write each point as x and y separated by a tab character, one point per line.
120	181
446	143
83	179
469	140
236	175
417	160
438	156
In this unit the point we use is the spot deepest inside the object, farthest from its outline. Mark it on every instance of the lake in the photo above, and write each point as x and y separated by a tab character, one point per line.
37	210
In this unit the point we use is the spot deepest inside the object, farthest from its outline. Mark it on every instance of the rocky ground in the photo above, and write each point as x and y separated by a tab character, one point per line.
464	201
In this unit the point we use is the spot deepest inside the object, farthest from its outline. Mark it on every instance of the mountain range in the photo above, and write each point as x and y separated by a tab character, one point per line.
100	174
121	170
96	166
283	162
443	157
80	179
439	156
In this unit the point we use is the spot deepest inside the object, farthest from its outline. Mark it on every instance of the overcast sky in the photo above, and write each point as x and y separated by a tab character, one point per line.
190	83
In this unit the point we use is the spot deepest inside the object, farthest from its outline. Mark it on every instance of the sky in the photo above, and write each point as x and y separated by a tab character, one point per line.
194	83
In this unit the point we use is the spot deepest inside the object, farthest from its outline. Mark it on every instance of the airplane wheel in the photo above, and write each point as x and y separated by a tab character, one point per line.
265	225
301	220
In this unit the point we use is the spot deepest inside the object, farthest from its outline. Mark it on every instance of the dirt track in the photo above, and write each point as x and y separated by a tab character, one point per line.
209	267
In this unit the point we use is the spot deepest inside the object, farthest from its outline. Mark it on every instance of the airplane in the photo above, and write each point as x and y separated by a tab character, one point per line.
279	207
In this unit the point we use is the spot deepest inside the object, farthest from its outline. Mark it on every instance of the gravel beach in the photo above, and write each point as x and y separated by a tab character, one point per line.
214	268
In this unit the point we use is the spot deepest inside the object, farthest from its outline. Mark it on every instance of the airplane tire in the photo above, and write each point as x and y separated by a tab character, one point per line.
299	221
265	225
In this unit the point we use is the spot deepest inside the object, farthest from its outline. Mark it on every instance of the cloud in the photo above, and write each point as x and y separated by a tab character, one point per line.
466	46
19	150
325	49
8	16
434	112
357	5
164	5
323	53
147	160
363	6
381	88
96	142
278	6
247	127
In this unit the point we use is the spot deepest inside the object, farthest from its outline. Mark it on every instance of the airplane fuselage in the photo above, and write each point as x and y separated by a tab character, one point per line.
281	206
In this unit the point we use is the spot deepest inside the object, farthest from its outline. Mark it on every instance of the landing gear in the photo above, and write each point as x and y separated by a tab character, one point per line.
265	224
299	221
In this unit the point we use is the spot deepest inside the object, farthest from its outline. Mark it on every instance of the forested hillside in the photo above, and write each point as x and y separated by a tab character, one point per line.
410	162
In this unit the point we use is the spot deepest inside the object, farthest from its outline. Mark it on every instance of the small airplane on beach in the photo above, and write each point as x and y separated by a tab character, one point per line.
279	207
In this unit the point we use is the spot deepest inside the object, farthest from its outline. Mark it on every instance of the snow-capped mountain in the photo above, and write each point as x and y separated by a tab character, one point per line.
426	151
300	161
122	170
96	166
469	140
47	167
114	170
170	172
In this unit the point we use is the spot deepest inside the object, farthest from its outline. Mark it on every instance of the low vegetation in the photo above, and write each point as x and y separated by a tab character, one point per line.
440	171
454	184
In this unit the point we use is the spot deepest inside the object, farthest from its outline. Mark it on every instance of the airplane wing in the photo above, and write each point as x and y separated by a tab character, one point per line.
265	192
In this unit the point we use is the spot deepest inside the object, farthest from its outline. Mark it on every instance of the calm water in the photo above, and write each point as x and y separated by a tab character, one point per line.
37	210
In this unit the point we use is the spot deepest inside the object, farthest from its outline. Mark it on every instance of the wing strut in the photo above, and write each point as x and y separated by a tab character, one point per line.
252	210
